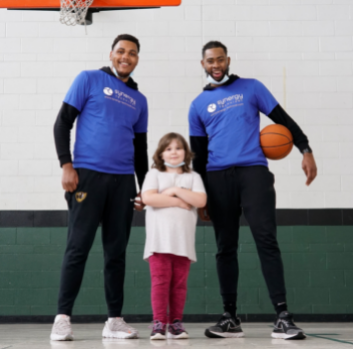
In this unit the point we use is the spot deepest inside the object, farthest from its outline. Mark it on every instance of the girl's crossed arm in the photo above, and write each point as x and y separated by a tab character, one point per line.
193	198
160	200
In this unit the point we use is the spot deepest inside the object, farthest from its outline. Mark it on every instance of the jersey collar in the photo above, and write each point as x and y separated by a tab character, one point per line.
232	78
130	83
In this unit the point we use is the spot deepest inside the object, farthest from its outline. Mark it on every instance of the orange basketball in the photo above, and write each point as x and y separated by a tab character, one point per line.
276	141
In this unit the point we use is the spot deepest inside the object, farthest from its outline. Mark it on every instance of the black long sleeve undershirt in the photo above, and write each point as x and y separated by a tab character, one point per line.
279	116
62	129
199	145
141	157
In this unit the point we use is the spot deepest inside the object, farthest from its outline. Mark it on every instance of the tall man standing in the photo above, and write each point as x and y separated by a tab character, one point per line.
224	134
111	145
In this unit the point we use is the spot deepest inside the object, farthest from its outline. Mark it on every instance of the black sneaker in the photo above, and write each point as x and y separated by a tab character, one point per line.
158	330
285	327
176	330
226	327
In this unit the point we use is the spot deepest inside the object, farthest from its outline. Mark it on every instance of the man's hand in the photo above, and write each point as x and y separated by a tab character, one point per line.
69	178
204	214
309	167
139	205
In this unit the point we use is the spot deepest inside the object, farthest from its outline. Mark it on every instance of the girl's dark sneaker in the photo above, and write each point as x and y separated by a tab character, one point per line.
158	330
176	330
226	327
285	328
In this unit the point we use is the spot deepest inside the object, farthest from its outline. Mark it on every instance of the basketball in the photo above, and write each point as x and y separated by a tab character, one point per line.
276	141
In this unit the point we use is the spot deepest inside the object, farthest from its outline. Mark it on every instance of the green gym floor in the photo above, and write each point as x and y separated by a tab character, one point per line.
36	336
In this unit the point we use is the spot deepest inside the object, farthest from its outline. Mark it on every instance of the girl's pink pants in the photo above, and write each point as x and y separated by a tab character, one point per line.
169	275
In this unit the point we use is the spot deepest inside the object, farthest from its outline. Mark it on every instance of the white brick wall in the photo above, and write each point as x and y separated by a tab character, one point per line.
311	41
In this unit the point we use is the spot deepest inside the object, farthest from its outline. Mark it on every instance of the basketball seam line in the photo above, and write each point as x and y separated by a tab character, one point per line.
275	146
274	133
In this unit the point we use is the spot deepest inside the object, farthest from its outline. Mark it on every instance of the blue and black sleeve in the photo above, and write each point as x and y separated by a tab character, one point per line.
279	116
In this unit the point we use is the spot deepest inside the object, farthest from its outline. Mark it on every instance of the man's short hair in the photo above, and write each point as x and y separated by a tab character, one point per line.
126	37
214	44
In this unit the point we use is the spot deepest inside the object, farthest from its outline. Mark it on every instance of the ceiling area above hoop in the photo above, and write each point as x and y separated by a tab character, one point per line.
81	11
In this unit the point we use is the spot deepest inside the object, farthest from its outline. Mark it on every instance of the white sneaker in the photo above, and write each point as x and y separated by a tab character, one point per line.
61	330
118	328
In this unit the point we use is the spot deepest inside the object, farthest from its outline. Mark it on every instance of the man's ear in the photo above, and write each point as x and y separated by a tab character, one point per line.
229	61
110	55
203	64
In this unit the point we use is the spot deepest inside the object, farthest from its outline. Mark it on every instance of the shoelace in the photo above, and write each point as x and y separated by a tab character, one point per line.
62	326
157	326
120	324
178	326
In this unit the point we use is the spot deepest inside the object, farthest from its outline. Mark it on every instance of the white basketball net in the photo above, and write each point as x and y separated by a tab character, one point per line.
74	11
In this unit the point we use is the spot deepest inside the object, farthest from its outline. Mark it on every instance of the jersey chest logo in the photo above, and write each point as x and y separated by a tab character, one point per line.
211	108
108	91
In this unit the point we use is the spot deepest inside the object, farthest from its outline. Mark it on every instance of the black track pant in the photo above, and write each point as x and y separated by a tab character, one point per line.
250	189
99	198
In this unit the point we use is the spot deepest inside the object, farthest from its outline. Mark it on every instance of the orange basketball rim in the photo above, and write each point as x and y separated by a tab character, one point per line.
54	4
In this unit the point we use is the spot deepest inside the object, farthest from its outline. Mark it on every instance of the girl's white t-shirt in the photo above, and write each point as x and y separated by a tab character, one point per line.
171	229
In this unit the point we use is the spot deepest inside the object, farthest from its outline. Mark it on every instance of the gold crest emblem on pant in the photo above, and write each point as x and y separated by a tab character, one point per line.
80	196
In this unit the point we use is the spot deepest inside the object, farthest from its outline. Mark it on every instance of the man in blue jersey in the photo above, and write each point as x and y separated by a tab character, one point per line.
110	147
224	134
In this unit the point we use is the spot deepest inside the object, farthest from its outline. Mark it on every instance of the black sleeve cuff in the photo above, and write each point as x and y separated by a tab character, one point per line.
64	160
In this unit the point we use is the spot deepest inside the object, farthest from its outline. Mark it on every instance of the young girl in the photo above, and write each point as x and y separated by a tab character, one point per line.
172	192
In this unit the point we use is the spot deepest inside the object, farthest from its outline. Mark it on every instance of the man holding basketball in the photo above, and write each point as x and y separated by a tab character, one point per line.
110	147
224	135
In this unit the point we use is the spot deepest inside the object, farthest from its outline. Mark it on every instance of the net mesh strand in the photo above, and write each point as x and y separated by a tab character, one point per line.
73	12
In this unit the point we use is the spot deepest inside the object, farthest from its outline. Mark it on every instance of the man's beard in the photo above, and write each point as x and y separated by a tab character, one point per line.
221	78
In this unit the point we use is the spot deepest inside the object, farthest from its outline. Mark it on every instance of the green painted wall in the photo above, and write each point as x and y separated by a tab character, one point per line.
318	264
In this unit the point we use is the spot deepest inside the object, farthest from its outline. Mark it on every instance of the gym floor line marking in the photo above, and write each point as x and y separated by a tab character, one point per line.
329	339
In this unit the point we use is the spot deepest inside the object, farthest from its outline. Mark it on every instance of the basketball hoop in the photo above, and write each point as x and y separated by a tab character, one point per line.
74	12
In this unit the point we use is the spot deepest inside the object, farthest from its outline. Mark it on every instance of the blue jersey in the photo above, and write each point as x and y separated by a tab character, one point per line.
110	114
229	116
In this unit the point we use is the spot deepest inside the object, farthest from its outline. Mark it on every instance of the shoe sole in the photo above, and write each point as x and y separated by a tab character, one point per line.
118	334
57	337
211	334
158	336
183	335
299	335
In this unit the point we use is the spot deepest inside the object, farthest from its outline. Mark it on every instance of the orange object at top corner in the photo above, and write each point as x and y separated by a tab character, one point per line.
97	3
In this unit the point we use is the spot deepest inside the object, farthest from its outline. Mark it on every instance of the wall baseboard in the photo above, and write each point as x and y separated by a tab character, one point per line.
285	217
190	318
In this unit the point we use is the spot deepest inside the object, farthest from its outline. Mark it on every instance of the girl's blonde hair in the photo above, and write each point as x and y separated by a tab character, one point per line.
162	146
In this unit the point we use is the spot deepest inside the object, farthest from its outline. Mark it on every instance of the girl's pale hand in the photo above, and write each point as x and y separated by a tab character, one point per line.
170	191
184	205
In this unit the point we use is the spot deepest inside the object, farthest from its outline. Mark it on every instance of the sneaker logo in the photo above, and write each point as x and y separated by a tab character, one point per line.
80	196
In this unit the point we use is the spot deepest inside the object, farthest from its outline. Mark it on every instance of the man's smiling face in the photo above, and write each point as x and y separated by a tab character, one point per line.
216	63
124	58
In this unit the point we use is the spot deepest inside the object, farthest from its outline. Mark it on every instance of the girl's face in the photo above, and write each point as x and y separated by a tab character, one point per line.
174	153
